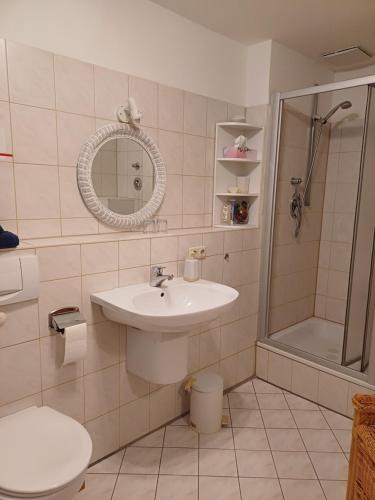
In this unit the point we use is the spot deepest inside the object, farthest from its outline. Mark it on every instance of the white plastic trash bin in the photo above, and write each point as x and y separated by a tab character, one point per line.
206	404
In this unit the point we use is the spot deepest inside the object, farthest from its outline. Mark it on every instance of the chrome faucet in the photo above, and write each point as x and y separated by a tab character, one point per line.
157	277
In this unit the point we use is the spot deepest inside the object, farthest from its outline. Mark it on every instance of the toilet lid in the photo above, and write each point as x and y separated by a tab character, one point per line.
41	450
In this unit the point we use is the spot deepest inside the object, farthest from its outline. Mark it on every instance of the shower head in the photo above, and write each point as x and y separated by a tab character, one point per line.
342	105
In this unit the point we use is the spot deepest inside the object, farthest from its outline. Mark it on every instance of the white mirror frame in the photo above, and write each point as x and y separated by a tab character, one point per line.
84	178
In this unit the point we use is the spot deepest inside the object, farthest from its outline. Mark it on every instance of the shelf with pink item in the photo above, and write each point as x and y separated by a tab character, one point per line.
241	161
6	155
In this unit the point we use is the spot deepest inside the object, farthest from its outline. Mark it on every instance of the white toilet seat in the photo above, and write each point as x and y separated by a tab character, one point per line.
42	451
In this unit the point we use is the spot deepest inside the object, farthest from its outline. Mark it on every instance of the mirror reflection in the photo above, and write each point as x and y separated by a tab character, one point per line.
123	175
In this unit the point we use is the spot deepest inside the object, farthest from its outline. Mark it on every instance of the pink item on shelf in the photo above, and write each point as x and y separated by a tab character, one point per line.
233	152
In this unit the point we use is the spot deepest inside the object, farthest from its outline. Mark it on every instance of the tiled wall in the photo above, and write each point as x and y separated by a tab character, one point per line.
295	260
309	380
115	406
338	219
50	104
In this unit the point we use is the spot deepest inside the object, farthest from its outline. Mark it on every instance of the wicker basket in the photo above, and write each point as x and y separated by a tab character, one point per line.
361	483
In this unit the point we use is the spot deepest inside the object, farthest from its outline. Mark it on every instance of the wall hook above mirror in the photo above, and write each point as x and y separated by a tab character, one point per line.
129	113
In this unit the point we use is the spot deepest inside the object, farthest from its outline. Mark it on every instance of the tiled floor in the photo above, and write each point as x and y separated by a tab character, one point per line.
280	447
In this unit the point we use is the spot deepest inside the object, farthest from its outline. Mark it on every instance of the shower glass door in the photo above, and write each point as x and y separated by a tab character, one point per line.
318	295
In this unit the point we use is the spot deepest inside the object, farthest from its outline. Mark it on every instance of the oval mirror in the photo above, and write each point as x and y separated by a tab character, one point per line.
121	175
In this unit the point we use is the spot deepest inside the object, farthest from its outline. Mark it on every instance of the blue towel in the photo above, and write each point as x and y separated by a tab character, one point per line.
8	239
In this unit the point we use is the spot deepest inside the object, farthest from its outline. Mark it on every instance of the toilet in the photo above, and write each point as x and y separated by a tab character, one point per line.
44	455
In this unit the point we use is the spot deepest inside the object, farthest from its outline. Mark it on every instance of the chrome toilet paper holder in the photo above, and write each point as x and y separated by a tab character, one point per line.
62	318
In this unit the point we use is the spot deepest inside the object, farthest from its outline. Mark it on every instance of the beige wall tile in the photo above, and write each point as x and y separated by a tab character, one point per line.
59	262
187	241
21	404
40	228
72	132
4	95
194	155
134	420
162	406
67	398
101	392
134	276
74	82
73	227
21	325
104	432
333	392
37	191
145	93
99	257
164	249
193	195
171	149
34	135
92	283
214	243
172	202
195	114
7	192
6	145
280	371
111	91
134	253
131	386
31	77
19	371
209	347
305	381
217	111
262	363
103	346
171	105
71	202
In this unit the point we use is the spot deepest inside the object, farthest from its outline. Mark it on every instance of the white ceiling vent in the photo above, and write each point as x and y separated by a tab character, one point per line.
343	58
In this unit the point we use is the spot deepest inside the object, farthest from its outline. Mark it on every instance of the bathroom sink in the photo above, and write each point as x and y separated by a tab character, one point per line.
176	306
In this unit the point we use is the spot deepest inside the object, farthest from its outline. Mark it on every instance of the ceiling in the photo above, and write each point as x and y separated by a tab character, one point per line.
311	27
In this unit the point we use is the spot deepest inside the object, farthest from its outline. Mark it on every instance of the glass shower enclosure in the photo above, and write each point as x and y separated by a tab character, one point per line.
318	283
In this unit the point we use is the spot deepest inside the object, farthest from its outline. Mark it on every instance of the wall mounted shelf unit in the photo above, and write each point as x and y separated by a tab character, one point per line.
228	169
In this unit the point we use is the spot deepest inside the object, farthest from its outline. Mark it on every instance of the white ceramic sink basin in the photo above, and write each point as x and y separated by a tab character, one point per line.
177	306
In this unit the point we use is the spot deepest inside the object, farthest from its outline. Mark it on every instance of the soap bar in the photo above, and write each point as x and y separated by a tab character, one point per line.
8	239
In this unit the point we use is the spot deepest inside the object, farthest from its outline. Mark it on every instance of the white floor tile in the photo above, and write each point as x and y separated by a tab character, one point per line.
219	488
180	437
319	440
243	401
298	403
246	387
255	464
332	466
185	420
141	461
309	419
272	402
176	488
294	489
337	421
110	465
98	487
180	461
293	465
246	418
153	440
334	490
260	489
250	439
217	463
221	440
344	438
262	387
278	419
135	487
285	440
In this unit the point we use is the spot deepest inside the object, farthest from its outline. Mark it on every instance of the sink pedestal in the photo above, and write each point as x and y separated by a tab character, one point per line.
161	358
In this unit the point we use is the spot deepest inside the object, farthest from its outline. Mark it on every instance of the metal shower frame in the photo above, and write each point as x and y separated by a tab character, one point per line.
268	222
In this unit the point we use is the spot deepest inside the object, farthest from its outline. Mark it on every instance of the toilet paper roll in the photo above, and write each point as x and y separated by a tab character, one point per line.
75	339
